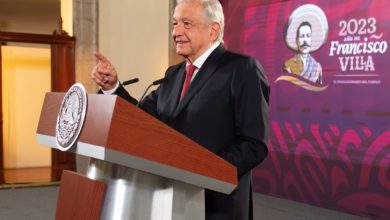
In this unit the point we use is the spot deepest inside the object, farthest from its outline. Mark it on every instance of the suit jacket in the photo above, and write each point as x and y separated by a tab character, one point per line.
225	109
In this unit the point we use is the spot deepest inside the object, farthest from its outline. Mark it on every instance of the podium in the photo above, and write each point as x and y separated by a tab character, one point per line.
140	168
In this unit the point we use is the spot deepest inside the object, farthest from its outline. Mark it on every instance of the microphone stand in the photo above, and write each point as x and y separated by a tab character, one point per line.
157	82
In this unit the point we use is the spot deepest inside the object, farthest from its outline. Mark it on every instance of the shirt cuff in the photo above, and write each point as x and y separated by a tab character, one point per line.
111	91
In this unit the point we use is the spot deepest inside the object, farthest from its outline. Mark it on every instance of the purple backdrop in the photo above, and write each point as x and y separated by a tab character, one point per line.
330	148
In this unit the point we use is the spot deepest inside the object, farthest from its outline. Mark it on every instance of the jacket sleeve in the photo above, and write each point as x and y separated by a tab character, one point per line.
121	92
250	94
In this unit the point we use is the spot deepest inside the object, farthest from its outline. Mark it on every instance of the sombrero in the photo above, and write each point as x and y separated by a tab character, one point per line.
319	24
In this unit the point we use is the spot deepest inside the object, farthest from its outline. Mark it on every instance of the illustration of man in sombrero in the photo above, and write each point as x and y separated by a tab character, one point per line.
306	32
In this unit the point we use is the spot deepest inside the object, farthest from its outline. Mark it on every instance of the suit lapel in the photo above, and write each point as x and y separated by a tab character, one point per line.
204	73
173	97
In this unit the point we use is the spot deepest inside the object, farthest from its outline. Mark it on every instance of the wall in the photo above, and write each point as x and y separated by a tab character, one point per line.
67	16
26	77
25	80
134	35
29	16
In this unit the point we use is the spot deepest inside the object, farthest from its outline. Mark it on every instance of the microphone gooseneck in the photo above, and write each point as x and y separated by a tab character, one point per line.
154	83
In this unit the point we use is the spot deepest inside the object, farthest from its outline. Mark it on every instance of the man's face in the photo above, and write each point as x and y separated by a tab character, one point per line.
191	33
304	39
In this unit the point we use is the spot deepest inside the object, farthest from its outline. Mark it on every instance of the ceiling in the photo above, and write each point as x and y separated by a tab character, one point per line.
29	16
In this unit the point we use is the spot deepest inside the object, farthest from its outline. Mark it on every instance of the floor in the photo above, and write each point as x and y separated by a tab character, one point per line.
39	203
272	208
31	203
28	194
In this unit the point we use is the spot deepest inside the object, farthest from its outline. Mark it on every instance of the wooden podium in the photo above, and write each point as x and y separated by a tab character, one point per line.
140	168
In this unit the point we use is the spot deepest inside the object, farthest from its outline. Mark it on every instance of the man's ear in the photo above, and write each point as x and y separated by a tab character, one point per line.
215	30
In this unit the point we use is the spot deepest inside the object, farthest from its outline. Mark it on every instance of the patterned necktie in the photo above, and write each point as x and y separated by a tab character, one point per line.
189	73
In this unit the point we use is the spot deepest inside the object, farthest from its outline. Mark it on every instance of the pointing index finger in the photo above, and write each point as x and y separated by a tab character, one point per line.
101	57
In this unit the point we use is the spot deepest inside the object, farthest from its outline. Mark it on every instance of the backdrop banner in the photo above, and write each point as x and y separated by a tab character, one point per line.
330	112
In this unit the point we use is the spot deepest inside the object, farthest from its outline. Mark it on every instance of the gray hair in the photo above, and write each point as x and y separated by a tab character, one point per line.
213	11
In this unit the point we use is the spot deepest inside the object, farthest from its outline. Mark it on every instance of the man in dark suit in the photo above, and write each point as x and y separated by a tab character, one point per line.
222	103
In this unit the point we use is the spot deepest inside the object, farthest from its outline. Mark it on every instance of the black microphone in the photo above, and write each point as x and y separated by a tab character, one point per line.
160	81
154	83
131	81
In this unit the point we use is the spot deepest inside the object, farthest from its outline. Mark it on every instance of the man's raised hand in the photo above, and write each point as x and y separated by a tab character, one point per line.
104	73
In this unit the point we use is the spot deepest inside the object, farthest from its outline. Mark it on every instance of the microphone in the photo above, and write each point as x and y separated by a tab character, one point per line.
159	81
131	81
154	83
